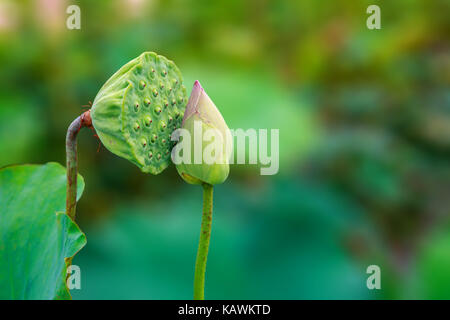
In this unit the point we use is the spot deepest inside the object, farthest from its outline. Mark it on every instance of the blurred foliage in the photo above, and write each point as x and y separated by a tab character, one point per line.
37	235
285	252
364	143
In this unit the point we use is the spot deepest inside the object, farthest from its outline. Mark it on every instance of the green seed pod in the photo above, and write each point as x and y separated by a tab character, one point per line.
132	108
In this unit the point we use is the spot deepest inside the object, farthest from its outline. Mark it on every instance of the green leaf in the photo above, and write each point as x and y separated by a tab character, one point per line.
35	237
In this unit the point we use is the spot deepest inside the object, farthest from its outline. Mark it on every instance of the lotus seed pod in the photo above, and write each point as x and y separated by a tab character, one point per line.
131	111
209	136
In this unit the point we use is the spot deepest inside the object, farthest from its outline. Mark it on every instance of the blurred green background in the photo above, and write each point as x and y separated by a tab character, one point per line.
364	119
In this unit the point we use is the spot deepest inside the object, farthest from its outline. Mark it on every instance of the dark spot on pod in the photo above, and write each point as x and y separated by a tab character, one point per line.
174	102
170	118
153	138
155	93
161	85
148	120
164	73
142	84
136	126
180	99
164	141
150	155
136	107
158	156
177	113
158	109
147	102
143	142
167	151
166	103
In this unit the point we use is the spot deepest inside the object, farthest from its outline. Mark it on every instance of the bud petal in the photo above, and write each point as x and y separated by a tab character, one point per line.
210	141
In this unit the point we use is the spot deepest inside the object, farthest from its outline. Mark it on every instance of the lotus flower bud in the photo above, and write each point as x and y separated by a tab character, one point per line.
138	108
202	155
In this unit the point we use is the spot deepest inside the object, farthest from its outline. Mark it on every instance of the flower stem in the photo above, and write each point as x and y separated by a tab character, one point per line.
71	160
205	234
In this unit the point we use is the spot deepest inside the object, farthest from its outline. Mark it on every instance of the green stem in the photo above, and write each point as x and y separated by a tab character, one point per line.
71	161
203	245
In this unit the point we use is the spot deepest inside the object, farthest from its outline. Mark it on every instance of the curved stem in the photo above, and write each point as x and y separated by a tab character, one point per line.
71	161
205	234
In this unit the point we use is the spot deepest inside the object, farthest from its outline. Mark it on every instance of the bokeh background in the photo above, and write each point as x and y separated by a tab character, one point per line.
364	119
